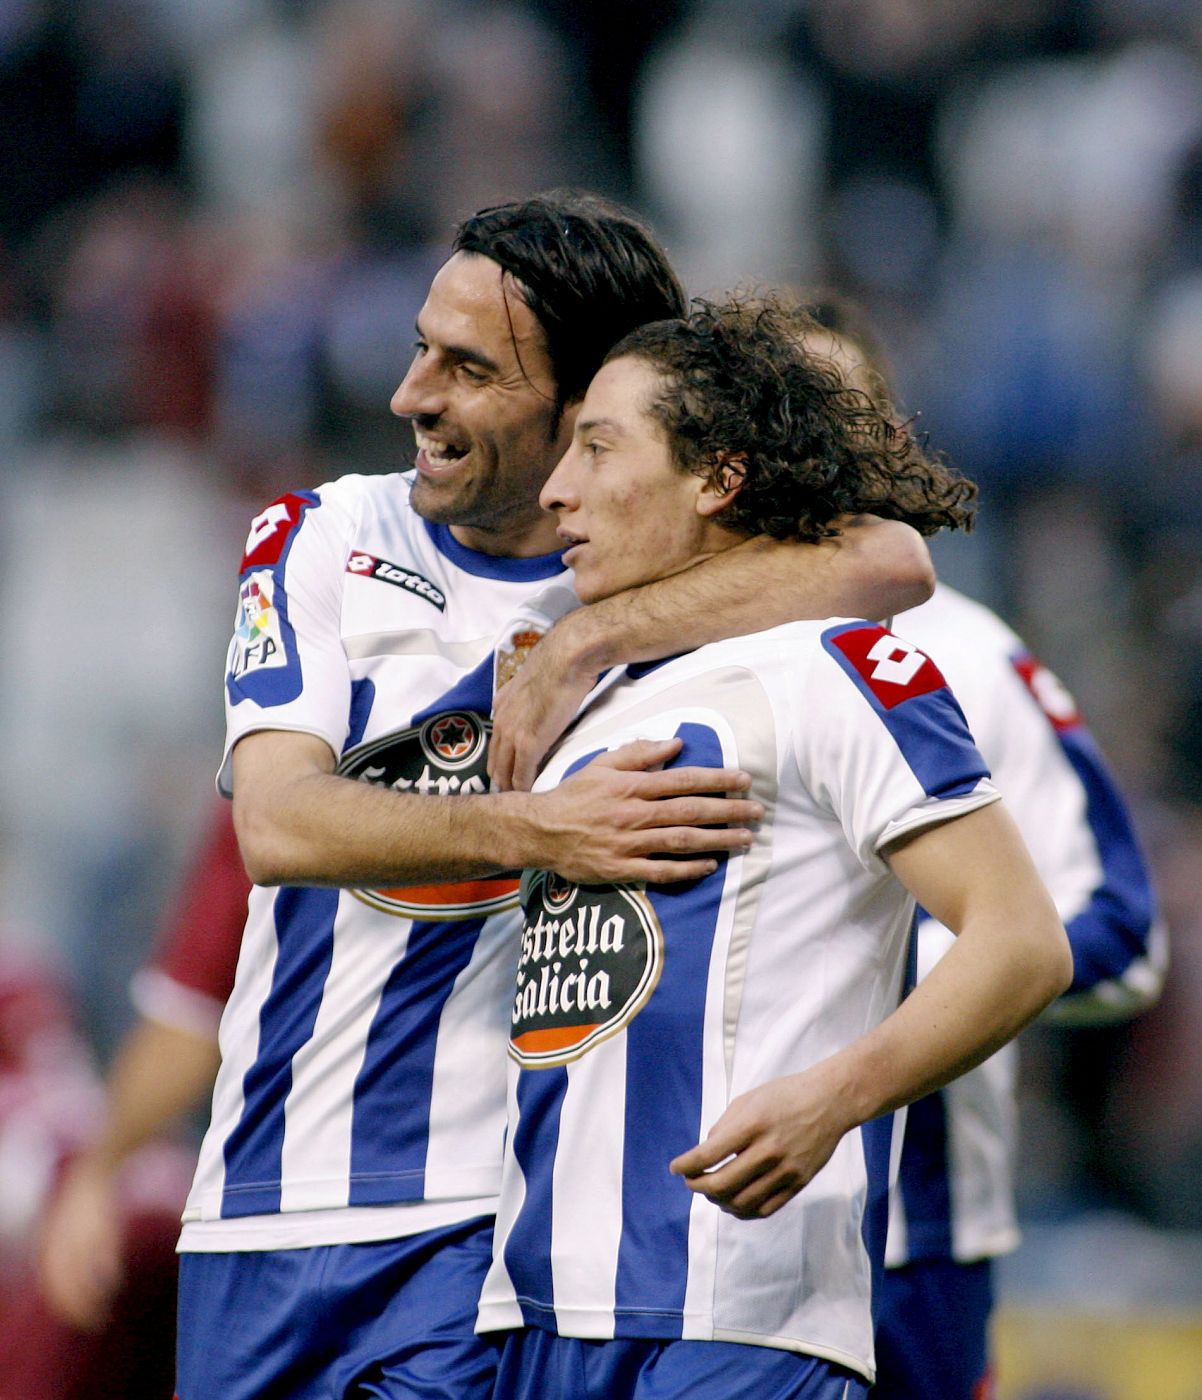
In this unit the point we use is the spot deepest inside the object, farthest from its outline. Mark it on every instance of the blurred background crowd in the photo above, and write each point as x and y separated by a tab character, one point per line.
218	220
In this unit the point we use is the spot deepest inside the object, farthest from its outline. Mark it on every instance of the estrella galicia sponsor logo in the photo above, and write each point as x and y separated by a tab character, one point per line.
257	635
444	756
591	957
368	566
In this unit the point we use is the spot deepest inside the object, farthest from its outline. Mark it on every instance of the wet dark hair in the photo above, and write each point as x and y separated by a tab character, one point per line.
588	270
739	388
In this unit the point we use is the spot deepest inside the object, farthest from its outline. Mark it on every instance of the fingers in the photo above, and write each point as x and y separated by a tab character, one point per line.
640	754
750	1186
707	812
525	768
664	872
500	762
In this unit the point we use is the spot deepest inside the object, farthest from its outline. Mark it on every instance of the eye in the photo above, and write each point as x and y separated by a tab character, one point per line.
471	374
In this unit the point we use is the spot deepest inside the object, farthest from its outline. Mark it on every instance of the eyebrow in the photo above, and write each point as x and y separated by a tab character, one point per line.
462	352
593	424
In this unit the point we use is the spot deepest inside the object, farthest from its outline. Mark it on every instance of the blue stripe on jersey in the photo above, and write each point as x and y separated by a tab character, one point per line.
1113	928
500	566
876	1139
254	1147
930	730
470	692
924	1180
363	697
540	1095
276	685
664	1057
393	1089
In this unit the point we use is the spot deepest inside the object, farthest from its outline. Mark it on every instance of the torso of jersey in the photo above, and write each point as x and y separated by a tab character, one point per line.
363	1046
954	1198
638	1014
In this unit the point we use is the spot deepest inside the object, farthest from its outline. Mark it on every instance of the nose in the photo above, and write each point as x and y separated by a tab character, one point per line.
559	491
419	394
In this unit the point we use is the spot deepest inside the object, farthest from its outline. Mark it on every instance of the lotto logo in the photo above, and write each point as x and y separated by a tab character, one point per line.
368	566
1051	695
888	667
896	661
270	530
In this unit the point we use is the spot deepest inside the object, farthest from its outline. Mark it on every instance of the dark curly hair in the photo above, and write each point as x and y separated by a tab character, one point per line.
738	388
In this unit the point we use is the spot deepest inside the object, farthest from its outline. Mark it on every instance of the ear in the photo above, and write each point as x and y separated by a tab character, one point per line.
725	485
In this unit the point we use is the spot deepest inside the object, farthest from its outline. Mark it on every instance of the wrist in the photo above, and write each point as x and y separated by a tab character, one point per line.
585	643
510	830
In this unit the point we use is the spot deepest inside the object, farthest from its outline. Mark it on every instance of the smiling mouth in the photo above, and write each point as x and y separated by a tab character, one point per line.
435	457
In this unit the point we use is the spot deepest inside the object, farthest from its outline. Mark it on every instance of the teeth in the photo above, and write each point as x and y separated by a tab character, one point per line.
438	453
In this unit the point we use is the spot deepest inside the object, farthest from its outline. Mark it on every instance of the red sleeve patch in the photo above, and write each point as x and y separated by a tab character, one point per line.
1050	694
890	667
270	529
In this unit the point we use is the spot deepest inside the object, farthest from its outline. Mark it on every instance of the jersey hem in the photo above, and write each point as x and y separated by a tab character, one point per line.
352	1225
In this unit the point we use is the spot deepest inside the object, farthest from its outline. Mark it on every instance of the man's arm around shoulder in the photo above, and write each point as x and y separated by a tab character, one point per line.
299	822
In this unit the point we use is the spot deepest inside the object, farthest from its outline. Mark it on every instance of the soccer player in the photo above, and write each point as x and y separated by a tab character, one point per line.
676	1049
953	1209
339	1225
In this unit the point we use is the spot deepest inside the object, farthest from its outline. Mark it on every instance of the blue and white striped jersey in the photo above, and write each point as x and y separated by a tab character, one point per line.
954	1197
362	1085
639	1014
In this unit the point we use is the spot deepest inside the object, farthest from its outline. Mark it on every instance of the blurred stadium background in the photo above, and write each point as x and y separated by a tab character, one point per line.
217	221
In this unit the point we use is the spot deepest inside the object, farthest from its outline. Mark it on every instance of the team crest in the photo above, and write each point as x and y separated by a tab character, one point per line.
509	657
257	641
591	957
444	756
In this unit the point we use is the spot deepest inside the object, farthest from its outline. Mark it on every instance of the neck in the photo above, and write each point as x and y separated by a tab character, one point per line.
513	541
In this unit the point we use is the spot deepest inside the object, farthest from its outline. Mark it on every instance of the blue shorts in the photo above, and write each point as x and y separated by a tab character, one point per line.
932	1331
390	1320
538	1365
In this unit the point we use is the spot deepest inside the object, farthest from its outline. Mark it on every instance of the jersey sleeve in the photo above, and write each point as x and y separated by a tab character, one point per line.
882	742
1073	817
189	978
286	667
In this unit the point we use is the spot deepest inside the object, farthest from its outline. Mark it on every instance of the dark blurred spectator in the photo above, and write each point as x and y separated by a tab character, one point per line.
49	1104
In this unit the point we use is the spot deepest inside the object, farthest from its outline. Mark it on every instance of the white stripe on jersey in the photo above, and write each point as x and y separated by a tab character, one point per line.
316	1155
587	1220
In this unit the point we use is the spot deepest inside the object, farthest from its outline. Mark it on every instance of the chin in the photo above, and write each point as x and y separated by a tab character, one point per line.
594	591
440	508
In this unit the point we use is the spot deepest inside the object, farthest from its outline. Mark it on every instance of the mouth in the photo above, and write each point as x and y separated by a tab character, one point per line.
434	457
571	544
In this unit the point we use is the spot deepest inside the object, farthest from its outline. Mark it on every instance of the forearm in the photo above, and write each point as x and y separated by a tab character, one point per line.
323	829
300	823
873	569
160	1073
991	983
